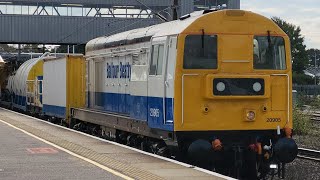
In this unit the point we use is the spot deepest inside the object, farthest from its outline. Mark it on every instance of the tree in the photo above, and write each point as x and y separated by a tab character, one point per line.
64	49
34	48
302	79
7	48
298	49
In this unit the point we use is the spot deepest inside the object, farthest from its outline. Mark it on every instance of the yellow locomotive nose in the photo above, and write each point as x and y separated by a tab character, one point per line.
235	102
233	86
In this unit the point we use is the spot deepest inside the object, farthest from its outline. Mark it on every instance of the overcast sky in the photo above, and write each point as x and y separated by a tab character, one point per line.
303	13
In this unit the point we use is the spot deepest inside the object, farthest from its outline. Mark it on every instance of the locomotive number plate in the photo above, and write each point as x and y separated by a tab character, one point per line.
273	120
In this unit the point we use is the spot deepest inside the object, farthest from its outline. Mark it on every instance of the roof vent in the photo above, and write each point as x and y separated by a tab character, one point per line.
185	17
209	10
217	8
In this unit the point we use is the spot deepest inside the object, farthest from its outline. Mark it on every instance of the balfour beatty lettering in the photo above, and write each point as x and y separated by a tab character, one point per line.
116	71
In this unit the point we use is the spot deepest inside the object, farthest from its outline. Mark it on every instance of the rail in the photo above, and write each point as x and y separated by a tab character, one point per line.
309	154
315	116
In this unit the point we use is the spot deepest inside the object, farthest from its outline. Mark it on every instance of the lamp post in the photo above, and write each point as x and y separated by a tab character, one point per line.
315	59
315	66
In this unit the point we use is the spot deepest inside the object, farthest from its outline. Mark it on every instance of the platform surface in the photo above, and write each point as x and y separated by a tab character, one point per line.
35	149
23	157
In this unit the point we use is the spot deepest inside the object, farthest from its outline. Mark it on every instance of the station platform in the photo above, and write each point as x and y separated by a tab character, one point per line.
34	149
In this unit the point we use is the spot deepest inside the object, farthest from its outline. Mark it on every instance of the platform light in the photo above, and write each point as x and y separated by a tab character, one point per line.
202	7
123	6
74	5
5	2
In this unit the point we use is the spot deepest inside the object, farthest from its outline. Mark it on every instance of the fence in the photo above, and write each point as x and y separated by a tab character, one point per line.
307	89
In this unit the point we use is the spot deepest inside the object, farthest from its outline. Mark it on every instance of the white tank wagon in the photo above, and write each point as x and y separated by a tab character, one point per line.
25	85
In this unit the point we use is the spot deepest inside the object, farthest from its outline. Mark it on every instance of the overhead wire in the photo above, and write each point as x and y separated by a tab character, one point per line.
154	12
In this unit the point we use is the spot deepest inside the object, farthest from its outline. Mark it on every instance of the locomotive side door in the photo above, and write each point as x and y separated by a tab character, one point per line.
169	79
156	83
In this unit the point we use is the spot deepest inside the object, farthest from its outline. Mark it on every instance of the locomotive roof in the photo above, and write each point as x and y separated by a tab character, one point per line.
163	29
173	28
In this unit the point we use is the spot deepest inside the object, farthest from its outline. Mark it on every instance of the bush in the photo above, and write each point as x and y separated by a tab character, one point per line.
301	122
303	99
315	103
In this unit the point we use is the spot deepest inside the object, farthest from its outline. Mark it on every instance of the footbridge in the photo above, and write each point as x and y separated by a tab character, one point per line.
78	21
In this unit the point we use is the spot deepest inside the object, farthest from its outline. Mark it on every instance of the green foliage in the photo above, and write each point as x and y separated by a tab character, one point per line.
302	79
34	48
77	49
301	122
298	49
7	48
315	103
303	99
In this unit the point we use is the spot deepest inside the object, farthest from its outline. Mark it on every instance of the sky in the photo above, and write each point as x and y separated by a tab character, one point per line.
303	13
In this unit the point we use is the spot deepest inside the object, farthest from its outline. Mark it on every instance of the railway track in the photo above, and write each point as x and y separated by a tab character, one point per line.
315	116
309	154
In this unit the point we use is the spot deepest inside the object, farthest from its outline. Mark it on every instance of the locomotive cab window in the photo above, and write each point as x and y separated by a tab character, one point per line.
156	59
200	52
269	53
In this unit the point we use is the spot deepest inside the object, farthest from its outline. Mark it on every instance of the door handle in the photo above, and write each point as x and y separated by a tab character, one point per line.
166	83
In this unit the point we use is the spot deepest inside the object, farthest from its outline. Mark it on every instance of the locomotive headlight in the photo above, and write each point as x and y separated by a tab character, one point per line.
273	166
251	115
221	86
256	87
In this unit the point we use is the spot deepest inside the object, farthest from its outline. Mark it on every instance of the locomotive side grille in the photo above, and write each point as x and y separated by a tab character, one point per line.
238	87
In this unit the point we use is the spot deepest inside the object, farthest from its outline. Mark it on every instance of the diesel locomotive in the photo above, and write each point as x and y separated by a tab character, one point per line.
214	84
